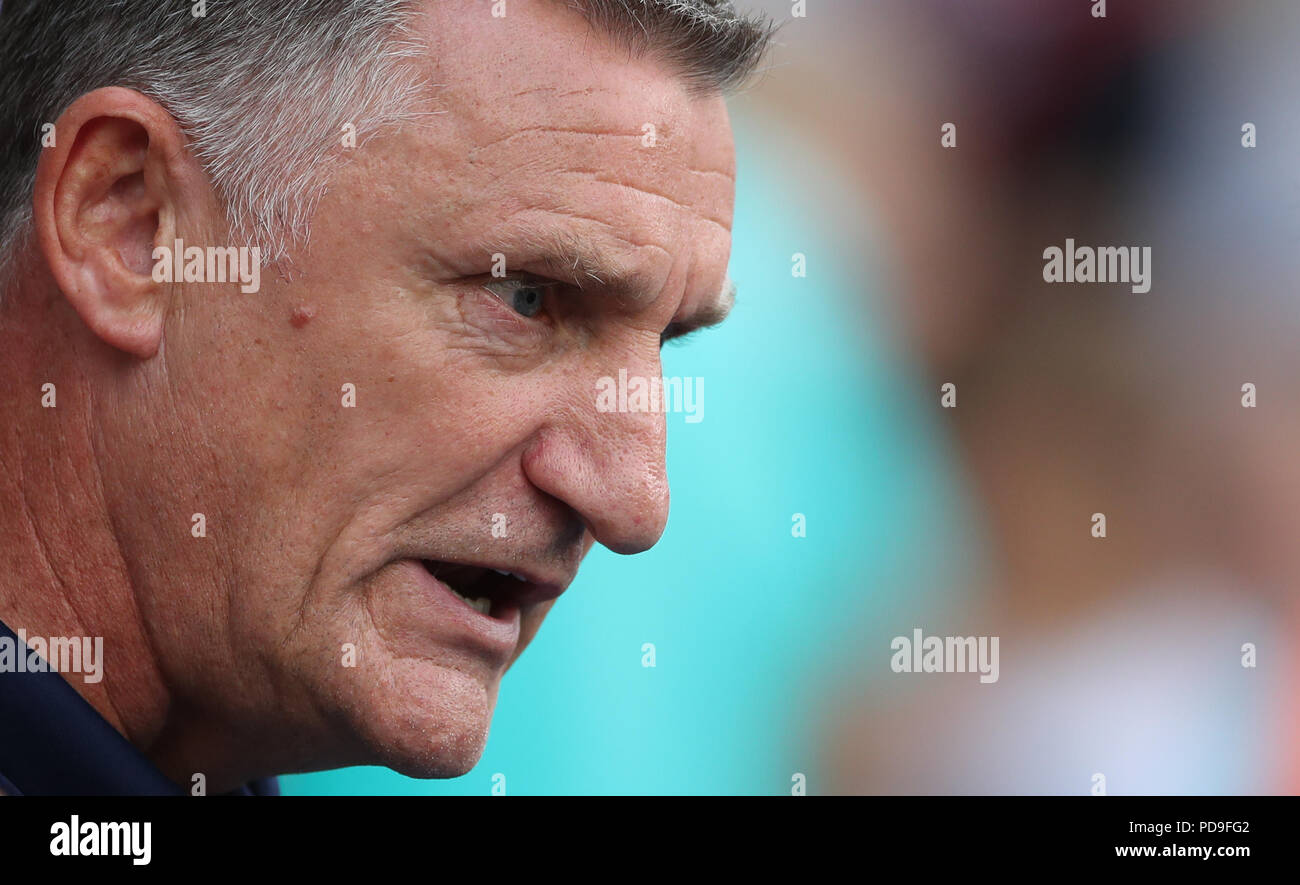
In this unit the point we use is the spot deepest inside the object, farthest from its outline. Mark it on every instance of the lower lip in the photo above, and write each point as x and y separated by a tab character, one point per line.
497	632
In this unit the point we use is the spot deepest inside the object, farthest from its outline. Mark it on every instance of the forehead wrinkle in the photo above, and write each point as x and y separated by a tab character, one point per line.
724	223
505	140
586	90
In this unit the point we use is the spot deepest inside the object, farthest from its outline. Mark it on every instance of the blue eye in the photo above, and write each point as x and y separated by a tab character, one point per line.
527	300
525	297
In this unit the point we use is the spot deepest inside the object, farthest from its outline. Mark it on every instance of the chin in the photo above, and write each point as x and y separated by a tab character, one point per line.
428	721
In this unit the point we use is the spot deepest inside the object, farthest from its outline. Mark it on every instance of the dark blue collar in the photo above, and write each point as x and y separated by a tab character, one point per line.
54	743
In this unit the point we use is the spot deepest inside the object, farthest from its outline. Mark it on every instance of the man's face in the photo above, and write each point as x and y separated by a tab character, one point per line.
474	438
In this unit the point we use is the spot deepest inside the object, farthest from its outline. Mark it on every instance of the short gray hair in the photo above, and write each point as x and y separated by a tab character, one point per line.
264	88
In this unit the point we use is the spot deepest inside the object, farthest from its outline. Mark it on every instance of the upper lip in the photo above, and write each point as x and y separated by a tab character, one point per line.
538	584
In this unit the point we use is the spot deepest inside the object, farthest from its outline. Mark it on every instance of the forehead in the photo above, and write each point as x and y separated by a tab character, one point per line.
539	121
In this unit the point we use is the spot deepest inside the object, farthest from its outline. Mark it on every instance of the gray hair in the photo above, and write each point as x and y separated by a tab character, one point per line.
264	88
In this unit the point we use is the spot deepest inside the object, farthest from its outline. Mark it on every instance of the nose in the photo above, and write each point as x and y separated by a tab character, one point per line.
608	465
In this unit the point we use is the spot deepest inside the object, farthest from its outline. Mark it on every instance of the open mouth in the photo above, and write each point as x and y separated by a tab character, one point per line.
488	591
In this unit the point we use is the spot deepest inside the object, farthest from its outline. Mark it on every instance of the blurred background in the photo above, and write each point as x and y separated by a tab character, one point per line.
1119	656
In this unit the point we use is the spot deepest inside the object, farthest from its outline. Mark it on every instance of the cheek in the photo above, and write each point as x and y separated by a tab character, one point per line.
425	419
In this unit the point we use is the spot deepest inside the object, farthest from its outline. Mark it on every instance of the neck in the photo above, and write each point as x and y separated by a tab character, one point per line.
63	570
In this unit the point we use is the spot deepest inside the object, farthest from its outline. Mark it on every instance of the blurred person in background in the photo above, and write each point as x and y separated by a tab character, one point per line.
1160	657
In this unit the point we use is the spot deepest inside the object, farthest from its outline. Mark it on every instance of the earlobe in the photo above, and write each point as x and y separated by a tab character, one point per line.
104	196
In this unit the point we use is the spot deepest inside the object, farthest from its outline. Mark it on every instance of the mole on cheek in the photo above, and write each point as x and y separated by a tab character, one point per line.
301	315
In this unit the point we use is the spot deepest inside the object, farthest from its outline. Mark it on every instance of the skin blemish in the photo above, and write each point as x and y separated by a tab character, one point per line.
301	315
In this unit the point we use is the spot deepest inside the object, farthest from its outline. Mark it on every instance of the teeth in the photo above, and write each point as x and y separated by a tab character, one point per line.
482	605
501	571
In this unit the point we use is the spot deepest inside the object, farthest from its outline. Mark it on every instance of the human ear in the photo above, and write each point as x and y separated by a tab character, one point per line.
106	192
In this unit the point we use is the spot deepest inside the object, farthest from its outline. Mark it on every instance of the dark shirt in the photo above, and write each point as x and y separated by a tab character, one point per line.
54	743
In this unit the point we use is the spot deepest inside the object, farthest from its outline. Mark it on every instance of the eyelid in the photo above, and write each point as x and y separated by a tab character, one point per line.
519	279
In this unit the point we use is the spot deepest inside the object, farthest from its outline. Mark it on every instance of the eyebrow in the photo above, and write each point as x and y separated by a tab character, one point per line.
710	314
575	258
